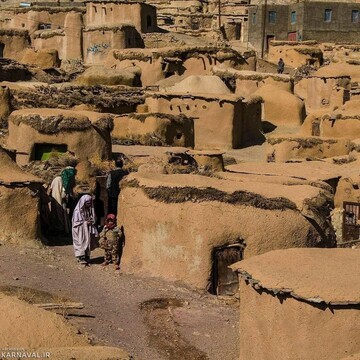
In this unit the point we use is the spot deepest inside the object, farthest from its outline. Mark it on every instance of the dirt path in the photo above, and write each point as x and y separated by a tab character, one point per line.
150	318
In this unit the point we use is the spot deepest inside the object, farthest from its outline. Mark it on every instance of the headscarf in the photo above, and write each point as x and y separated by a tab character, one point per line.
67	176
80	210
110	217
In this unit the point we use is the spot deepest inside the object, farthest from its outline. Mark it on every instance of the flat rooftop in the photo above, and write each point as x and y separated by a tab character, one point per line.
314	275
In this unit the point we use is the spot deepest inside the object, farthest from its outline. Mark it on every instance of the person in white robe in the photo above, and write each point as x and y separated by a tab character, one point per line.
61	221
84	230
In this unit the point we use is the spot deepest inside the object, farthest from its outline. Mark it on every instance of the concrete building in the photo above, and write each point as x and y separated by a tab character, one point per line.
320	21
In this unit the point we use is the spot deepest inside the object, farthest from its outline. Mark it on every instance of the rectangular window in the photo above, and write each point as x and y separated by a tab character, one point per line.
293	17
355	16
254	18
328	15
272	17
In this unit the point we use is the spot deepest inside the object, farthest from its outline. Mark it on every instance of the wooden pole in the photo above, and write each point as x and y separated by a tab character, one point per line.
264	30
219	14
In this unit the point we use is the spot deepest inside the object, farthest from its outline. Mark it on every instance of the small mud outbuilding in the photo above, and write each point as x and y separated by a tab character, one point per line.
35	133
300	304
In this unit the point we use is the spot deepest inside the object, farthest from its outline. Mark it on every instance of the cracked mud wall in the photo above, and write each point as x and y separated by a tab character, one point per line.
274	329
19	218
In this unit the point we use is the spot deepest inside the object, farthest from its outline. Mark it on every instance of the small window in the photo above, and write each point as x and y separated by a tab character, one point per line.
95	9
328	15
104	11
254	18
43	26
355	16
46	151
23	25
293	17
272	17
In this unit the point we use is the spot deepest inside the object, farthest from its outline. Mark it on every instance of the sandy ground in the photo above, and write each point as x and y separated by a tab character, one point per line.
150	318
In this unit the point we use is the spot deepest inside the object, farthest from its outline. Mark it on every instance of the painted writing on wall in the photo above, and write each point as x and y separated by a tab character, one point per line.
98	48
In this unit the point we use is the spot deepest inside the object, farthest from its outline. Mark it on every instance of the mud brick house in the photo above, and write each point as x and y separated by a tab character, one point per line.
37	132
87	31
191	227
220	121
305	20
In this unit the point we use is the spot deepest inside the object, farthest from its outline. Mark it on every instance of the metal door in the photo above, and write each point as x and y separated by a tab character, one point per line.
292	36
351	221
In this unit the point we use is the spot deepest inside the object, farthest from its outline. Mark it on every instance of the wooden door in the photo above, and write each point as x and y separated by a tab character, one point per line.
225	281
269	38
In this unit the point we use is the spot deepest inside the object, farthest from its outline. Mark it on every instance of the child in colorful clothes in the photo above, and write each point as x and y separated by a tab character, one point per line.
111	242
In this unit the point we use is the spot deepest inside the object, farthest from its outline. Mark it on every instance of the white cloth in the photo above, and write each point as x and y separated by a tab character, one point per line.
83	233
57	190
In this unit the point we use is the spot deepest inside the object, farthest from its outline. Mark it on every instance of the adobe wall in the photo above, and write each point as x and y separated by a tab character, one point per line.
98	43
285	149
107	14
85	144
149	128
271	329
153	68
14	44
347	190
217	124
295	56
73	27
175	240
30	20
44	59
326	92
57	42
151	71
20	207
281	107
323	126
247	86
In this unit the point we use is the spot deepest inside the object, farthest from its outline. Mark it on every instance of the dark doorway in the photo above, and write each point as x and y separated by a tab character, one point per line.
351	221
45	151
148	22
268	39
224	281
2	47
237	31
315	129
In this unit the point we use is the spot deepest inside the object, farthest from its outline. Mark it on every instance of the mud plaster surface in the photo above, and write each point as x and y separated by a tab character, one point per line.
330	275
